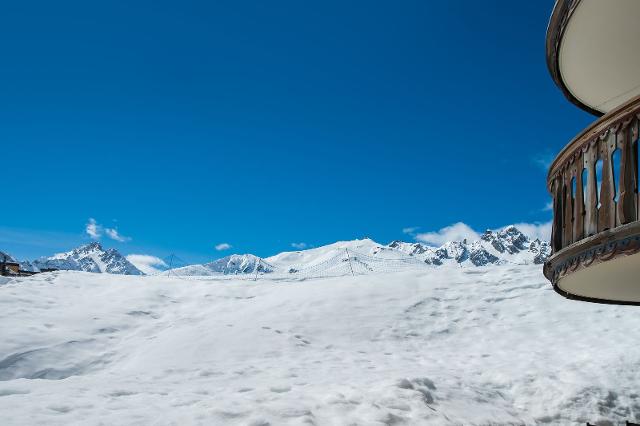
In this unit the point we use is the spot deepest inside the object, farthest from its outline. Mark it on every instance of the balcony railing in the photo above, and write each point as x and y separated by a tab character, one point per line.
594	185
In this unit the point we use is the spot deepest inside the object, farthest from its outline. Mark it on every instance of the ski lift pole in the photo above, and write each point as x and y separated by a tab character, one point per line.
170	266
255	278
349	258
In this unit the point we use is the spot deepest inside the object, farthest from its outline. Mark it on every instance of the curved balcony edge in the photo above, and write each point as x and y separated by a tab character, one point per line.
598	129
562	11
603	247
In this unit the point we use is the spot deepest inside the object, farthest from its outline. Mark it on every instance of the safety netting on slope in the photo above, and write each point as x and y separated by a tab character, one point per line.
342	263
349	262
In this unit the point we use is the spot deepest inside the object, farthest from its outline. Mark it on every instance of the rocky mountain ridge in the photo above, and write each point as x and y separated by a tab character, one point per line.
228	265
508	245
494	247
88	258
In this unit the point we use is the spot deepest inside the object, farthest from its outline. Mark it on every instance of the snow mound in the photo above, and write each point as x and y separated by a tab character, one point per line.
444	346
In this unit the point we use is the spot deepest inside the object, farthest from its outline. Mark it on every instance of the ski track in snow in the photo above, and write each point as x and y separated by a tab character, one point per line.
490	345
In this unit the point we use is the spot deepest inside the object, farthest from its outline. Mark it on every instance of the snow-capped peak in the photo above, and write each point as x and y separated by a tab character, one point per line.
89	258
510	240
228	265
508	244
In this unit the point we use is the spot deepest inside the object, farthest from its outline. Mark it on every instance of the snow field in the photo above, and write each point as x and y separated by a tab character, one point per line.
488	345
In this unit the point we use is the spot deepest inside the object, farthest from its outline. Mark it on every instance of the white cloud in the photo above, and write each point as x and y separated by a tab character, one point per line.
115	235
148	264
456	232
93	229
548	207
223	246
410	230
538	230
299	246
460	231
544	160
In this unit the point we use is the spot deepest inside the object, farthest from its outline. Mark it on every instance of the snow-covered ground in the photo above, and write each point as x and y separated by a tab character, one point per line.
450	345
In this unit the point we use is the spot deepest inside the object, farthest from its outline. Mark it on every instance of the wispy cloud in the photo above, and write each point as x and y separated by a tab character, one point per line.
147	263
115	235
410	230
95	230
460	231
456	232
92	229
299	246
548	207
543	160
540	230
223	246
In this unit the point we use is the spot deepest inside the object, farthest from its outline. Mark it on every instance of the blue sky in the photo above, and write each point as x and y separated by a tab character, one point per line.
185	125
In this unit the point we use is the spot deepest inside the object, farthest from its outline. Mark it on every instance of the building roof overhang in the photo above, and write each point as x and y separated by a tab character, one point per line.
592	52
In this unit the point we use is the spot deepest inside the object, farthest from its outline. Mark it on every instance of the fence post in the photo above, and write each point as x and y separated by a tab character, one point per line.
349	257
170	265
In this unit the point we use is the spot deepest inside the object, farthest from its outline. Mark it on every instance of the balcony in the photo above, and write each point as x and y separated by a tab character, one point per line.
596	232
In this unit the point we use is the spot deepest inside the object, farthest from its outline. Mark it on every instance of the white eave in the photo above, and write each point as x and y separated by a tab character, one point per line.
599	53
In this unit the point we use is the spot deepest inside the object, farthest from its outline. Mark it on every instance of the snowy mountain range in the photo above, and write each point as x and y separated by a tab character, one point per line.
229	265
508	245
493	247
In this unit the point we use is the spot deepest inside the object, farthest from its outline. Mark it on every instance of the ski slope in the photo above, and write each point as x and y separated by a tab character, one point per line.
440	346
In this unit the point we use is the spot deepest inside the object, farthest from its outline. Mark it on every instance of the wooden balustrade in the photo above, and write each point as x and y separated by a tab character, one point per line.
594	185
591	193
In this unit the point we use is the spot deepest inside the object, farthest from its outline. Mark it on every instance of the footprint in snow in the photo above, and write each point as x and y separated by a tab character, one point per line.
302	340
62	409
209	373
142	314
7	392
120	393
280	389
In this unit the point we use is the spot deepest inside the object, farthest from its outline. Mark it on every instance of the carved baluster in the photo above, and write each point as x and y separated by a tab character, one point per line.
606	213
591	200
635	135
556	234
578	201
567	222
627	200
